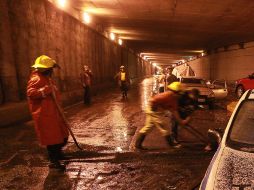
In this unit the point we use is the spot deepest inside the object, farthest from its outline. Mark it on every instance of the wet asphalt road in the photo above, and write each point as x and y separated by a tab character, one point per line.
106	130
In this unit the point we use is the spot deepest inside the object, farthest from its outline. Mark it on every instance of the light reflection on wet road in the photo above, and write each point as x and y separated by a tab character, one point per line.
108	126
105	131
109	123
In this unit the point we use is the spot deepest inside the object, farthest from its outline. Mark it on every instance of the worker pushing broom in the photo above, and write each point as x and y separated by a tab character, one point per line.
50	124
181	103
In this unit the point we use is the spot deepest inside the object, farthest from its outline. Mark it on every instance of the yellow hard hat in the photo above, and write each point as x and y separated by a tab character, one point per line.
176	86
122	67
44	62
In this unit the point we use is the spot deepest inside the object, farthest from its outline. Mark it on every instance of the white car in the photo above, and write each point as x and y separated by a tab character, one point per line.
232	166
219	88
208	92
206	95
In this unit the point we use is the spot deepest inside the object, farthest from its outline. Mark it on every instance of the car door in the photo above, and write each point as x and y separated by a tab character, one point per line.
219	88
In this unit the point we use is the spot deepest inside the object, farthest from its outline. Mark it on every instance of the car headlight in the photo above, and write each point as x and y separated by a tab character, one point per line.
211	95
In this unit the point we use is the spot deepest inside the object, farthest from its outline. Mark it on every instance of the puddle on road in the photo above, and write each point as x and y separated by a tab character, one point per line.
110	124
104	131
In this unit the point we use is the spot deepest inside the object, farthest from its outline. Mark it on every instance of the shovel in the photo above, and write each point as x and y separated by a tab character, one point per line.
61	112
196	133
213	140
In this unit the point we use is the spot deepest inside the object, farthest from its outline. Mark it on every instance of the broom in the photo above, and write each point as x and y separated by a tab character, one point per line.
61	112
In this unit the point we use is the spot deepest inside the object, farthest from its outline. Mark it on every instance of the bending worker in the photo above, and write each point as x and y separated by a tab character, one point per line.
43	98
187	104
156	111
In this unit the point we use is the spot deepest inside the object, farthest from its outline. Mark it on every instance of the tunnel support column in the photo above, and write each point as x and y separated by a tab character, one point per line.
8	75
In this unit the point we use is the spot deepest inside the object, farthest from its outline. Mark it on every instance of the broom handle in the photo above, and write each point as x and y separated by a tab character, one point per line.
63	116
196	133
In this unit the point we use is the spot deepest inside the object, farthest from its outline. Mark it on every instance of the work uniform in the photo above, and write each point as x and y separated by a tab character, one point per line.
186	106
156	110
123	80
86	79
49	126
160	102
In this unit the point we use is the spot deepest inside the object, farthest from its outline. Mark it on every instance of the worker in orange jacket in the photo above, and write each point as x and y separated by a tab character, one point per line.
49	125
156	111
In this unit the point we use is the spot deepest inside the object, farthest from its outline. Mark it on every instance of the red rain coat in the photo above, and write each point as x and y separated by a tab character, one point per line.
49	126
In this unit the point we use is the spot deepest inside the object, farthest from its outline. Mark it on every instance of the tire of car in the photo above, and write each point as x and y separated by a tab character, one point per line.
239	91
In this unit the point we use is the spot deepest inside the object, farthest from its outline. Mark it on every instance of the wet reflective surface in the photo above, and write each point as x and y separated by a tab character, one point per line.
106	131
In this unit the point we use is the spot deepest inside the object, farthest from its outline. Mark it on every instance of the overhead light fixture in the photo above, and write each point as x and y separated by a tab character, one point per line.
61	3
145	57
86	18
120	41
112	36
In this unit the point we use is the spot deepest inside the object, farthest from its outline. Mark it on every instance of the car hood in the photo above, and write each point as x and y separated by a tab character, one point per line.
235	170
202	89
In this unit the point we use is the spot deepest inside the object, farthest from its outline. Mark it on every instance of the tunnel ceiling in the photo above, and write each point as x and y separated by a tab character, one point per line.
168	30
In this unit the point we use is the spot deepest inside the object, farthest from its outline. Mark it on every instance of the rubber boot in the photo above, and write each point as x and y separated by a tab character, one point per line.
54	154
174	131
140	139
172	142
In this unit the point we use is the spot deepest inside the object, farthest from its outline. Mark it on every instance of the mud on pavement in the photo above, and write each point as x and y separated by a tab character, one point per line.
105	130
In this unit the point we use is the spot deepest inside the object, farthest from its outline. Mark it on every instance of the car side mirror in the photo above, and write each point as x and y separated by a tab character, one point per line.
214	136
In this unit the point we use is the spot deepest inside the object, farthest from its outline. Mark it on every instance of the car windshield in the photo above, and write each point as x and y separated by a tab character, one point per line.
241	132
193	81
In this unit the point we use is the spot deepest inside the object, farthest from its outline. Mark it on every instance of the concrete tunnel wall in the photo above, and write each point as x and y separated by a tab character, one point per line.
30	28
231	63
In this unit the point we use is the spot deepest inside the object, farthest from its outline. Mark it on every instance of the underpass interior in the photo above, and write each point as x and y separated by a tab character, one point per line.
214	38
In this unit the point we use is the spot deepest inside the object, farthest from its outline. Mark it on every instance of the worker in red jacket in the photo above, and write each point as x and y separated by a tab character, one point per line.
156	110
49	125
86	80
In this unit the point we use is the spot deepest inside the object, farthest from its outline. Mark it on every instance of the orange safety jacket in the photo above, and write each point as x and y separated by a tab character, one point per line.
49	125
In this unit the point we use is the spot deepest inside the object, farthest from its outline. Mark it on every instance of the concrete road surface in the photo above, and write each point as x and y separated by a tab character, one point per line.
107	130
